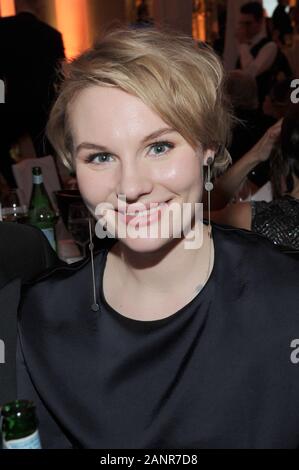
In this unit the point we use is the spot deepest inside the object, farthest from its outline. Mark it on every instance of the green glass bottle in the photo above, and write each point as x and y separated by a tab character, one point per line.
41	212
19	426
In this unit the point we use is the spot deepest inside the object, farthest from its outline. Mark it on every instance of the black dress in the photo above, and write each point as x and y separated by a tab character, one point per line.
277	220
218	373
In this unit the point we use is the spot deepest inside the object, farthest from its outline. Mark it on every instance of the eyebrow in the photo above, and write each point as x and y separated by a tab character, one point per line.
103	148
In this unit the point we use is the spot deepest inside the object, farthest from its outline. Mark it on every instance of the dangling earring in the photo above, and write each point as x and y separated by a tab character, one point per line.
209	187
94	306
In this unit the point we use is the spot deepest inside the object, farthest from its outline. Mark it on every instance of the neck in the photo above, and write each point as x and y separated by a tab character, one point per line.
173	265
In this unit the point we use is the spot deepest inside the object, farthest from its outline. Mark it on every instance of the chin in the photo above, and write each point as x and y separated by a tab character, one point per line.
147	245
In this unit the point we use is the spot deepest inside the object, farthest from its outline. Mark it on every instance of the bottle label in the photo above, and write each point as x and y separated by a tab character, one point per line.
29	442
49	233
37	179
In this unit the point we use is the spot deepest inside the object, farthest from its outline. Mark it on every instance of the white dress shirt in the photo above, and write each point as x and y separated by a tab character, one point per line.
264	59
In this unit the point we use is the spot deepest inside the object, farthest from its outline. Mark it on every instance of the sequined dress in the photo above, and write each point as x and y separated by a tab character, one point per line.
277	220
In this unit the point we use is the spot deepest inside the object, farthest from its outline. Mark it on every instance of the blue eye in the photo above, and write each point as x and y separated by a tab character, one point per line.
160	147
98	158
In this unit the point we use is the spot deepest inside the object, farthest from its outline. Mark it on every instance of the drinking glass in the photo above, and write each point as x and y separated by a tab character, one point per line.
78	225
12	210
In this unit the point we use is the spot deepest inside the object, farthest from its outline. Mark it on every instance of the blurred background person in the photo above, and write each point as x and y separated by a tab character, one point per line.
251	123
219	41
30	54
278	219
259	56
277	102
281	21
143	16
294	14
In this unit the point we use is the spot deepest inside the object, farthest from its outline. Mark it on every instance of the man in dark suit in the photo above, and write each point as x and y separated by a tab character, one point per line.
24	254
30	55
259	56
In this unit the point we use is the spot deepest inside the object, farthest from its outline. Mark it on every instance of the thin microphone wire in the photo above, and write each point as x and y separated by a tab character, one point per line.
95	306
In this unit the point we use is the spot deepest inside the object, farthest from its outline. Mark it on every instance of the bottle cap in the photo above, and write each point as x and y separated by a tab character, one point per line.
17	407
36	170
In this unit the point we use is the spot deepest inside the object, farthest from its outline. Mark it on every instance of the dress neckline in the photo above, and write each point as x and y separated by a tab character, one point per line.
205	293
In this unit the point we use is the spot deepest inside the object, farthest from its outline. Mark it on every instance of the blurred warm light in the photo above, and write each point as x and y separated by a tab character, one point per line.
72	22
199	27
7	8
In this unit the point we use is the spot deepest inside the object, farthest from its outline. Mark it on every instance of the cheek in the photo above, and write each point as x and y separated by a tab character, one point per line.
183	175
92	185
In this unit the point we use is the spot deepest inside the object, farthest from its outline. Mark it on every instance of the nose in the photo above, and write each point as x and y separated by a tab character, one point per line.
134	181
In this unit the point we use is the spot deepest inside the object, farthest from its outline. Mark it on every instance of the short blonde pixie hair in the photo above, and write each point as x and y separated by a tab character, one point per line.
180	80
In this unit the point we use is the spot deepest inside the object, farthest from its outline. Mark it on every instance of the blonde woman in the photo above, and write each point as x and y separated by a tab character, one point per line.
175	341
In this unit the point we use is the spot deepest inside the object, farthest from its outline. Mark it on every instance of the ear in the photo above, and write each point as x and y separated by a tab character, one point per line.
208	157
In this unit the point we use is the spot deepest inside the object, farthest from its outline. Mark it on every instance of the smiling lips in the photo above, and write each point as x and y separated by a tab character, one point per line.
144	217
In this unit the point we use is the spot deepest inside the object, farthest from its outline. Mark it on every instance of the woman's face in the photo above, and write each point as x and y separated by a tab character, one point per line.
125	155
